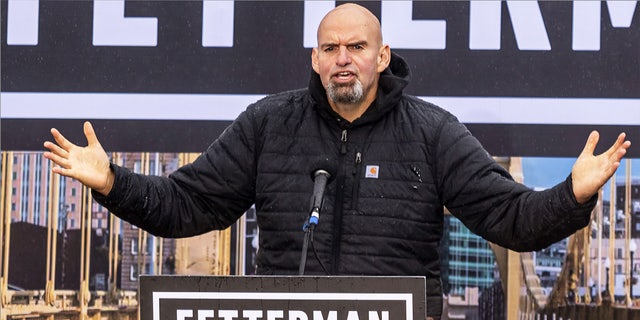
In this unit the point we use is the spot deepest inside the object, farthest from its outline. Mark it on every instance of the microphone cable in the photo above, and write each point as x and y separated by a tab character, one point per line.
315	253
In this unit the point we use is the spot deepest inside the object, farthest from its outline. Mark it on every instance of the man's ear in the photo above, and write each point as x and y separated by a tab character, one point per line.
384	57
314	60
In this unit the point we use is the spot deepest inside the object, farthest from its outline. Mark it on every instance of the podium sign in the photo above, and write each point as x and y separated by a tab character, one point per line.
282	298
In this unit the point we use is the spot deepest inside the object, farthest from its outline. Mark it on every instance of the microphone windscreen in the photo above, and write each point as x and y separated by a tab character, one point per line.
325	164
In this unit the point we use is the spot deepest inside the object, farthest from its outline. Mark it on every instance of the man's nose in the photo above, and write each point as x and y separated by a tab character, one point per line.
344	57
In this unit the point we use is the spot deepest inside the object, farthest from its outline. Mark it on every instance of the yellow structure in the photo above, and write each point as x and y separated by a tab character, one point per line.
210	254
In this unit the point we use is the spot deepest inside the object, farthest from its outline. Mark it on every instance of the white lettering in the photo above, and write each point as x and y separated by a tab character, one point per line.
217	23
204	314
208	314
297	315
400	31
485	23
275	314
528	25
621	13
586	26
111	28
314	11
22	22
587	21
252	314
317	315
182	314
227	314
373	315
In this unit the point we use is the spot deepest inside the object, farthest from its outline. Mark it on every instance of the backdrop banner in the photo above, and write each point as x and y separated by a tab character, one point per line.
528	78
282	297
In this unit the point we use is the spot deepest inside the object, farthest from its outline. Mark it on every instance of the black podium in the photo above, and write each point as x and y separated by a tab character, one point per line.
281	298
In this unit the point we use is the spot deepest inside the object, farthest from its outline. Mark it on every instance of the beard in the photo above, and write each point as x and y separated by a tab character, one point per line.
346	93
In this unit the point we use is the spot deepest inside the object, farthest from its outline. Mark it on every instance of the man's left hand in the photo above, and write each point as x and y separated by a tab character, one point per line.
591	172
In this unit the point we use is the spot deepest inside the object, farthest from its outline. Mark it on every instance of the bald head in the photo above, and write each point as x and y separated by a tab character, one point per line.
351	15
349	58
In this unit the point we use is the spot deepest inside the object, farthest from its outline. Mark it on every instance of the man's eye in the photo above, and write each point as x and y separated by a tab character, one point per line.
328	49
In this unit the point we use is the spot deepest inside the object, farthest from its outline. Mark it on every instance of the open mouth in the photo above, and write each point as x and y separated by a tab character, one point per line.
344	76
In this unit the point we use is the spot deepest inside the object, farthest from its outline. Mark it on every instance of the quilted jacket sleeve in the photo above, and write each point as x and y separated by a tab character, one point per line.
485	198
209	194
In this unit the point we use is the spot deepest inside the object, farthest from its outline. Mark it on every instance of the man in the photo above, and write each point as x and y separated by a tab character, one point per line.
398	161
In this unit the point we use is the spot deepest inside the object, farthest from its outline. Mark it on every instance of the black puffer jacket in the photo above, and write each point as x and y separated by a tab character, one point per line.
396	167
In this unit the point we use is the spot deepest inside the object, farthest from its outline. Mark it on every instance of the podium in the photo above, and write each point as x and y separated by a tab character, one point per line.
282	298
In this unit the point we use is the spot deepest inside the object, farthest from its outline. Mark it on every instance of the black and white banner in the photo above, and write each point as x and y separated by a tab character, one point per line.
282	298
528	78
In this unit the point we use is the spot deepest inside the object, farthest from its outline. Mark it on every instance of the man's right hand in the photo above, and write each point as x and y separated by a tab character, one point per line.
89	165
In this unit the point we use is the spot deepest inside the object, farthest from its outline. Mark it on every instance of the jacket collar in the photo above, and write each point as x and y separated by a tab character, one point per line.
392	82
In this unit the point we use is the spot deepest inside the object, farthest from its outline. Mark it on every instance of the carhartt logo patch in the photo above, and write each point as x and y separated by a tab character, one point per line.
372	172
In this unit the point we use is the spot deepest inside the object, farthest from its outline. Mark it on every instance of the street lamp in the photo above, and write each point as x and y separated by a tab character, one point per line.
632	251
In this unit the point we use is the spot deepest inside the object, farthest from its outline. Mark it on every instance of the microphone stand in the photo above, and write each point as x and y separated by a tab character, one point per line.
320	178
308	228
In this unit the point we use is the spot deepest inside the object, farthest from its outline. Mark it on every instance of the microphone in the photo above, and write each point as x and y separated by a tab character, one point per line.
320	179
321	175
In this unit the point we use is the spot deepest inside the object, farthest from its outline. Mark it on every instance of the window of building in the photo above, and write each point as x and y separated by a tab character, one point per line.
73	192
134	246
73	207
133	273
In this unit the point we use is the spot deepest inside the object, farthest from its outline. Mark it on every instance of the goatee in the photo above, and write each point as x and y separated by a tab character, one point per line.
345	93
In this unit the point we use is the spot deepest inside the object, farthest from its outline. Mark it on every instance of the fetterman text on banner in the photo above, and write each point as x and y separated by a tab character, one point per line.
527	77
280	297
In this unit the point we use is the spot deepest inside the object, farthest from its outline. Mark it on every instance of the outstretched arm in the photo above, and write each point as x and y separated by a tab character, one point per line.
89	165
591	172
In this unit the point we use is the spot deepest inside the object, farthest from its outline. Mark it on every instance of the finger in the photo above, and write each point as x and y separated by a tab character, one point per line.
90	134
57	159
61	140
54	148
61	171
592	141
619	148
618	142
619	153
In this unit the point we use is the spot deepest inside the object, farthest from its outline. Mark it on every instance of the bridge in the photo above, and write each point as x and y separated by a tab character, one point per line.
596	281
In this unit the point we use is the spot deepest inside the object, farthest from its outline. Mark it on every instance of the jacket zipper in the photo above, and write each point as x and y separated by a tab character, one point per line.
357	162
343	139
356	181
339	207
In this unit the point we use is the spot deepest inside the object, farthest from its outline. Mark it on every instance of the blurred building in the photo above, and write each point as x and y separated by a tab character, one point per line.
548	262
32	199
469	259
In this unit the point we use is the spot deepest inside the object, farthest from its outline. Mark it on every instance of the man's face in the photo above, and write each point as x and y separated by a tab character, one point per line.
349	56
